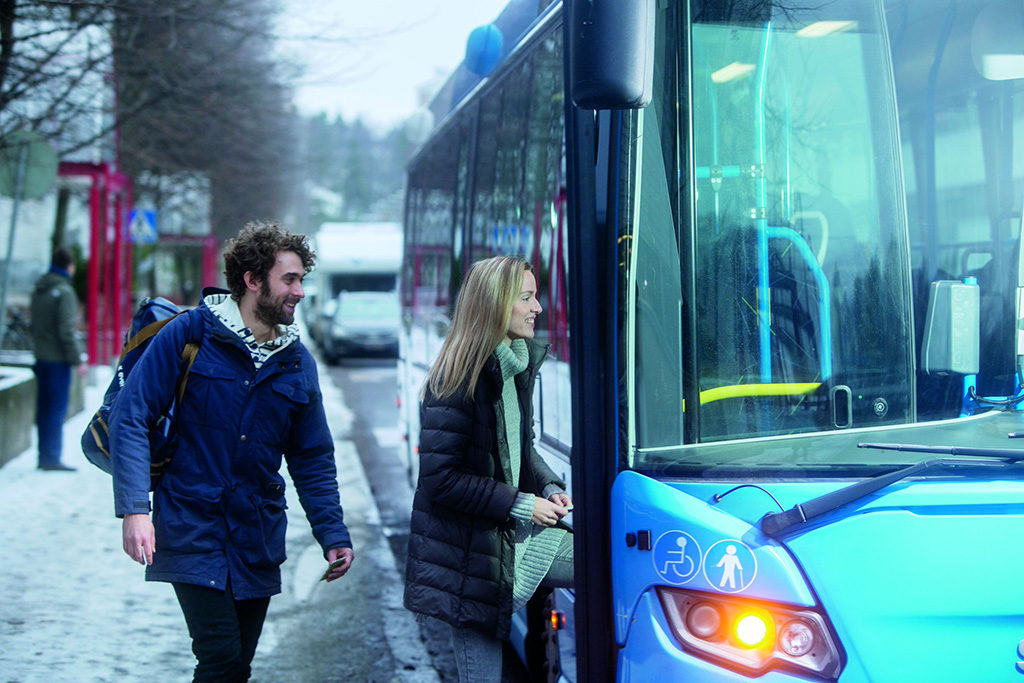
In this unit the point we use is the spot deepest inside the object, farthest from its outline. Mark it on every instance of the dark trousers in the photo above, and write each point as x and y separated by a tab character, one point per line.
224	631
53	385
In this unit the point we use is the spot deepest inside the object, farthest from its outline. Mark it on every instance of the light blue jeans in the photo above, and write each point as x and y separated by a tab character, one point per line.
478	655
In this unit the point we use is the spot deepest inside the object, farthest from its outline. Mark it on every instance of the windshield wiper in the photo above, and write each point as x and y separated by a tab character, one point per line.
1008	454
774	523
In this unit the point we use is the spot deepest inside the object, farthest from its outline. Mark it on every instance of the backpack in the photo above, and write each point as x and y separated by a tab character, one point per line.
151	317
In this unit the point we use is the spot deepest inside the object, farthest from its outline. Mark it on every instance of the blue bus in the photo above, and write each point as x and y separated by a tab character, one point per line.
778	244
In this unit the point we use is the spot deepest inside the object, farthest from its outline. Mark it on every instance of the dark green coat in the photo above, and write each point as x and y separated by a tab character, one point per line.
461	558
54	317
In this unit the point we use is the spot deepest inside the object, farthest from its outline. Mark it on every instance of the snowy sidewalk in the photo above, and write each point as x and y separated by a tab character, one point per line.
74	607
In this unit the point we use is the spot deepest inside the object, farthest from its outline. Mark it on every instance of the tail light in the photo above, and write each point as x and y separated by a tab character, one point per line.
752	636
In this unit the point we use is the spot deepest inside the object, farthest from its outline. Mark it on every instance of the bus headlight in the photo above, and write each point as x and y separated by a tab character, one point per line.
752	636
796	638
704	620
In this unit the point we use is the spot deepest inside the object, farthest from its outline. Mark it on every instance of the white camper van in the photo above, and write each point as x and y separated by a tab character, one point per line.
356	262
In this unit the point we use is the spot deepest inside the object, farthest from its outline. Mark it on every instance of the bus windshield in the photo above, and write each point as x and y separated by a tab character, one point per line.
768	270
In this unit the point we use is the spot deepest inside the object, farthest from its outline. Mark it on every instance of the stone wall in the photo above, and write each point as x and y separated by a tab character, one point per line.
17	411
18	408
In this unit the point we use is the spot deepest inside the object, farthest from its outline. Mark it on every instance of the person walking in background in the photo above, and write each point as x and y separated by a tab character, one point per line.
54	315
483	528
252	397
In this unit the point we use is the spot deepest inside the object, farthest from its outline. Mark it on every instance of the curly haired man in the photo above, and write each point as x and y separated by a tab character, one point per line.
252	398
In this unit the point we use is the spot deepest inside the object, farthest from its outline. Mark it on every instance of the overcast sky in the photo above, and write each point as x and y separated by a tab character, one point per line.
369	58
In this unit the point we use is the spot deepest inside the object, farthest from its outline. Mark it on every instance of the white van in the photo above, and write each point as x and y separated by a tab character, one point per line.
351	258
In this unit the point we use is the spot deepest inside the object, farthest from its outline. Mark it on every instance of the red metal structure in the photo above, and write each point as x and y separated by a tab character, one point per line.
109	303
108	296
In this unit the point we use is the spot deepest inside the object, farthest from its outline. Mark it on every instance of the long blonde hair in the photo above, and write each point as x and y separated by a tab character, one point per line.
480	322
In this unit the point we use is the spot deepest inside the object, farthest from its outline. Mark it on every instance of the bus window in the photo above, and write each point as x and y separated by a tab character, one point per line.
963	170
544	191
544	199
657	304
432	217
799	283
501	219
519	206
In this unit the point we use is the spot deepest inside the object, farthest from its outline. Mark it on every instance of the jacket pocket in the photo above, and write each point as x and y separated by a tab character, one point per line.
263	544
208	395
189	521
278	413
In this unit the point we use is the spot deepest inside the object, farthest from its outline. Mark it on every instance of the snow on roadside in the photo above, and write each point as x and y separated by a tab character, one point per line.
73	606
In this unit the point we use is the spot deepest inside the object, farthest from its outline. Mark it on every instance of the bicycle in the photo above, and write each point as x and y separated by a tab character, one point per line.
16	333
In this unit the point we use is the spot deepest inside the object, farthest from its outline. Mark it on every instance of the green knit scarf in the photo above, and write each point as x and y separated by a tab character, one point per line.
535	546
513	359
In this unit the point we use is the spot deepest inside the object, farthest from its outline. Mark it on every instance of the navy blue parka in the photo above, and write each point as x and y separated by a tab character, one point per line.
219	509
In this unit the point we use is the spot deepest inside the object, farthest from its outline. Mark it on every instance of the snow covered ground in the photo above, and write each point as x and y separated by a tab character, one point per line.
74	607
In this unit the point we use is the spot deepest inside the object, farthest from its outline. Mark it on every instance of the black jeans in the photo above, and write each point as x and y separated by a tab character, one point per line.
224	631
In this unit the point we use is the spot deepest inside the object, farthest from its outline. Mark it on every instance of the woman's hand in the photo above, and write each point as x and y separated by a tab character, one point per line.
562	499
547	512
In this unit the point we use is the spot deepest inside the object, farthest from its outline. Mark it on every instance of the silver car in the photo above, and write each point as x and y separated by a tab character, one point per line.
363	323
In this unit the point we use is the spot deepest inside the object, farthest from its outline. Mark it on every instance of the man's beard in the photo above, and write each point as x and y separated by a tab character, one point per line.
271	311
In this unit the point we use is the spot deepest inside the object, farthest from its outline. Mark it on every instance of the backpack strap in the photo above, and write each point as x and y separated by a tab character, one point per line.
144	334
191	350
188	354
193	339
95	424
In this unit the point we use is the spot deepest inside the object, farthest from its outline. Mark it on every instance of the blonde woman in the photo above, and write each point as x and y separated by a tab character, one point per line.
484	533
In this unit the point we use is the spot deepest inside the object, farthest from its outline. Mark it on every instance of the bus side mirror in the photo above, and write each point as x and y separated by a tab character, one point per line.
951	342
996	48
611	53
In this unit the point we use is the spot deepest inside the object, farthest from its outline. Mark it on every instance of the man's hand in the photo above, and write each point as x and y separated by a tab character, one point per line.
138	537
546	512
345	555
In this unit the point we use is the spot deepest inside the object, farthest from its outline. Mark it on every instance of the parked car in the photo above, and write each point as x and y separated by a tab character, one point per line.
319	321
363	323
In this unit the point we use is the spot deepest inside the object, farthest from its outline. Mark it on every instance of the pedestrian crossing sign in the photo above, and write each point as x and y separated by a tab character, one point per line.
142	226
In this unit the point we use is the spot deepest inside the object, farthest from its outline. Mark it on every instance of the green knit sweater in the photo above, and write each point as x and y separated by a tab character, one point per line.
535	545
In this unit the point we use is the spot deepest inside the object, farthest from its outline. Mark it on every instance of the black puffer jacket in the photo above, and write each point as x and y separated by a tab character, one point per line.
460	564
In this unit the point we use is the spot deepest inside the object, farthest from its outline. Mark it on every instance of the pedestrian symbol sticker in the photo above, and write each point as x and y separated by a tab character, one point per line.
730	566
676	557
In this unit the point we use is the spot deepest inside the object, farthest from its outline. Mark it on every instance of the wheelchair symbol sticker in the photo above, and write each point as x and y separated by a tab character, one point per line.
730	566
676	557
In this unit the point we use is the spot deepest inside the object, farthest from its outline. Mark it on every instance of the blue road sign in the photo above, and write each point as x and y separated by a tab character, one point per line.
142	226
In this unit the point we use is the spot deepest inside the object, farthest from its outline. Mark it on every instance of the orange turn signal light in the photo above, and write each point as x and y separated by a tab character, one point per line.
752	629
